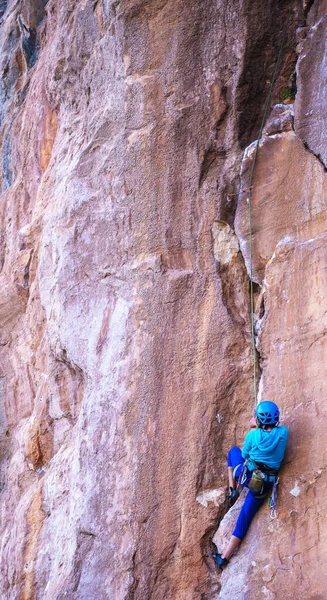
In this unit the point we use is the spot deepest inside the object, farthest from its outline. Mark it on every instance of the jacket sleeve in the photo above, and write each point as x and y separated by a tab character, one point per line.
247	445
284	440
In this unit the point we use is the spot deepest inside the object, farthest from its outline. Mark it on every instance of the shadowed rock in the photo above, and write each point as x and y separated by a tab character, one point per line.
29	42
3	7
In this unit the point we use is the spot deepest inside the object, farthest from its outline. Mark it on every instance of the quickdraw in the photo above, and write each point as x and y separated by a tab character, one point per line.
243	474
272	502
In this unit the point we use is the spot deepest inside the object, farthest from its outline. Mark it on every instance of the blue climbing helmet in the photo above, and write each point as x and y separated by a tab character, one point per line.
267	413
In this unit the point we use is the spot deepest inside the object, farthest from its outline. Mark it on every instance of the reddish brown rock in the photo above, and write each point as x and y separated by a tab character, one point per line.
271	563
292	349
125	346
284	557
281	119
310	107
288	193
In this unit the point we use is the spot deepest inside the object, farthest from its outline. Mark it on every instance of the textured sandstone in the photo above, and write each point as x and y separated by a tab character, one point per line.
310	115
125	354
238	584
289	237
288	197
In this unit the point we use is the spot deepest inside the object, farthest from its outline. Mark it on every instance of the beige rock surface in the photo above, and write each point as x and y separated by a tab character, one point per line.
125	355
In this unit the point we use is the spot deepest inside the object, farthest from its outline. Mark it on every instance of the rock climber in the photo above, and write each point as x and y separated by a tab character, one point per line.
255	467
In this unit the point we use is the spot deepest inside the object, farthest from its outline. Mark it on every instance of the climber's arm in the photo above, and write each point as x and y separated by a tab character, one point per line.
283	440
247	445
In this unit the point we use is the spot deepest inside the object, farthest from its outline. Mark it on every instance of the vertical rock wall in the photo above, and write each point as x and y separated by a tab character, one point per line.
285	558
125	350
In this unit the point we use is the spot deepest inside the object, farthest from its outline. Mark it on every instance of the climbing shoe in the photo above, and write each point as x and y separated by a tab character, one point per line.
219	560
233	496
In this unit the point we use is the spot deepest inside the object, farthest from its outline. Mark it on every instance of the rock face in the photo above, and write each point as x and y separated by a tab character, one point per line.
289	215
125	350
310	123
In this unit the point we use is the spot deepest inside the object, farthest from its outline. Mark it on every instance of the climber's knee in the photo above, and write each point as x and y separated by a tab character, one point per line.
235	457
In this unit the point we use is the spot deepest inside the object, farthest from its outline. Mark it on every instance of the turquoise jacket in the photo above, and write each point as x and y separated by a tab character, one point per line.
267	447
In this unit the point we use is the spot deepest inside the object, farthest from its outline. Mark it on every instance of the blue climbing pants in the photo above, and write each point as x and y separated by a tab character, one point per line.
253	500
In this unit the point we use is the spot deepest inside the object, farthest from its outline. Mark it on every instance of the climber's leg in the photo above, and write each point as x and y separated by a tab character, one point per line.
250	507
235	459
222	559
232	546
235	463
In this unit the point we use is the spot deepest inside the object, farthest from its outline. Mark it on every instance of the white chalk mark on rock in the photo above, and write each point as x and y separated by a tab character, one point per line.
296	491
217	496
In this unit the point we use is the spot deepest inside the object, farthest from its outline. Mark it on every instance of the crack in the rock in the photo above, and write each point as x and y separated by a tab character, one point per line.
207	545
308	6
134	584
317	156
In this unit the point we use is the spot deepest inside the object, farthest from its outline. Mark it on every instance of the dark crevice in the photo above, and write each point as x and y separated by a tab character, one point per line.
20	49
3	7
228	204
288	93
207	547
30	45
317	156
210	158
133	587
260	309
6	163
308	5
215	151
260	58
87	533
256	288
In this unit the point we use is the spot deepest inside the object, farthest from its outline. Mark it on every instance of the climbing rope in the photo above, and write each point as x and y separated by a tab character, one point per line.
254	356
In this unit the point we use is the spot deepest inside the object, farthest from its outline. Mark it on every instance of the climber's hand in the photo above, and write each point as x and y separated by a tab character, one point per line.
233	496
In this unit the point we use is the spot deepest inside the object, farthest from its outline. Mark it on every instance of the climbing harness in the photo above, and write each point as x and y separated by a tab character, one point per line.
260	474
